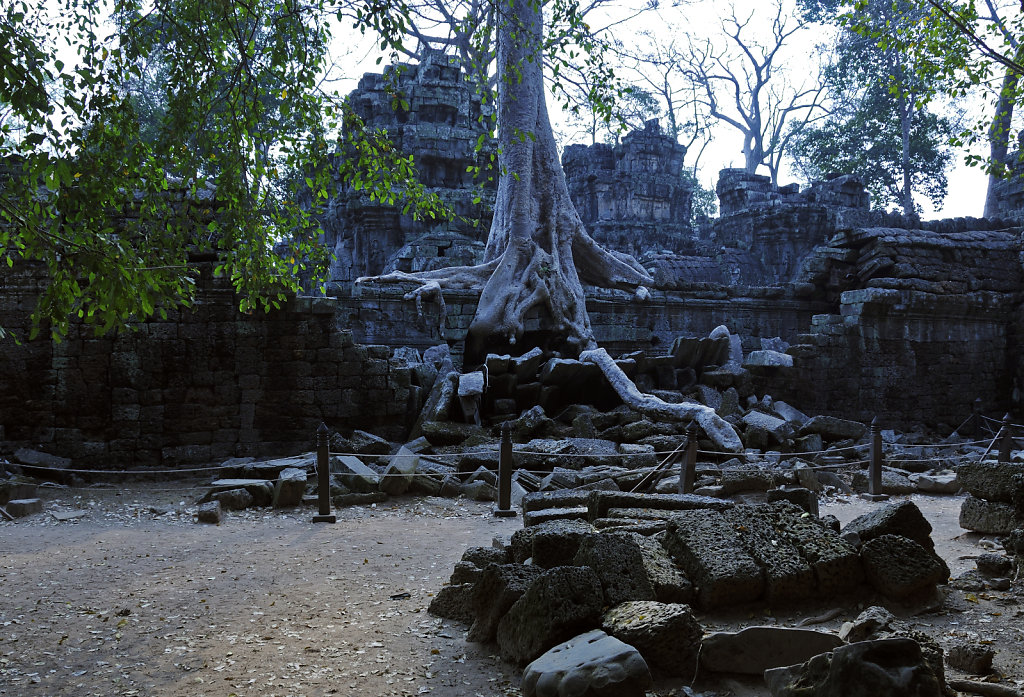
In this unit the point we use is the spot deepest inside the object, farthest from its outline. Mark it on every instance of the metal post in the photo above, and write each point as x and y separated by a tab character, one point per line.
976	413
875	465
1006	443
323	476
505	466
688	466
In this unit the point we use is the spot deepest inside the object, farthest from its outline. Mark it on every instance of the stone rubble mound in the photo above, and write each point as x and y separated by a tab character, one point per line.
635	567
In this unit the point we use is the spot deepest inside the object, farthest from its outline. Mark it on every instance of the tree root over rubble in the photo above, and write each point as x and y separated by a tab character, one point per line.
716	428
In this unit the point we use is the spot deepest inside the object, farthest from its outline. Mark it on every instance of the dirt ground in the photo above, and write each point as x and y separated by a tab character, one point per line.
129	596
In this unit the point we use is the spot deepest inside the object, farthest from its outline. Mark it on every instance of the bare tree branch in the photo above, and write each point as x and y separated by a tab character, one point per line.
762	100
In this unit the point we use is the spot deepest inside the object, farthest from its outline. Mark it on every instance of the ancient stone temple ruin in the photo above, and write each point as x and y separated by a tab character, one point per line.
438	118
632	196
875	315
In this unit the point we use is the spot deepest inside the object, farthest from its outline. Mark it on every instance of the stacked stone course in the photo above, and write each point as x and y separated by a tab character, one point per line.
206	384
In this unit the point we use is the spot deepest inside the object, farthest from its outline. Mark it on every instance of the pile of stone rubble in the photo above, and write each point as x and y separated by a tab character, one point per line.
601	597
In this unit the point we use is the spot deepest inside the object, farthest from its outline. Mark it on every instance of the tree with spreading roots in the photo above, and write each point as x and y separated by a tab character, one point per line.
538	253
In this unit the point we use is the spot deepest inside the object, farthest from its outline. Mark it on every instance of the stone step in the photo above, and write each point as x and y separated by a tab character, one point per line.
531	518
19	508
16	490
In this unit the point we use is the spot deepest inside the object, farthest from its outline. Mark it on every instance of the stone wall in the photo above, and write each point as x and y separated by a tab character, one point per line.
765	232
206	384
907	357
926	323
210	383
620	322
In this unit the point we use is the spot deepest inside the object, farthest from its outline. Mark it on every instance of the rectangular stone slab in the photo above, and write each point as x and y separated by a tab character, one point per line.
601	501
708	548
788	576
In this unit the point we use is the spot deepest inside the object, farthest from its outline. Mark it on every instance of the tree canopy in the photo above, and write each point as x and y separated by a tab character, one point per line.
113	196
879	124
137	141
957	50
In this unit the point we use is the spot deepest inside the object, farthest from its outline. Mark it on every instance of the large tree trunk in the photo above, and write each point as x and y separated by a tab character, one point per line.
537	239
906	116
538	253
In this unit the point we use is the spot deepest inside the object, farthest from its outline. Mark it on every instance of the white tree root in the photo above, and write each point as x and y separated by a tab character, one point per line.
717	429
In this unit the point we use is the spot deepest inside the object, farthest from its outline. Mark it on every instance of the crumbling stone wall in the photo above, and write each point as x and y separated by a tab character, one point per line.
926	323
621	323
764	232
632	196
206	384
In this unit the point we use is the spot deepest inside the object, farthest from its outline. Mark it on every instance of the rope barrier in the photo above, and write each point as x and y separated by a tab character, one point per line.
927	459
441	457
963	444
1000	422
153	471
69	487
949	450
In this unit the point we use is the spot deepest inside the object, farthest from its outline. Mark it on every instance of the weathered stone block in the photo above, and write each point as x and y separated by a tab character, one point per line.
754	650
454	602
19	508
352	473
618	562
668	636
209	512
289	487
787	576
556	542
498	588
713	556
988	517
899	567
559	604
397	476
992	481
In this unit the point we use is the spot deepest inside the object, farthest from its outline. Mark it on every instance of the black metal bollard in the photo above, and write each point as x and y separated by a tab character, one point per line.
1006	442
875	465
688	466
505	467
323	476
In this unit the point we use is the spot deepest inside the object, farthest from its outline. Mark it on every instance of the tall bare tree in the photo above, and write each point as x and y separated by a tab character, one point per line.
743	84
659	64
